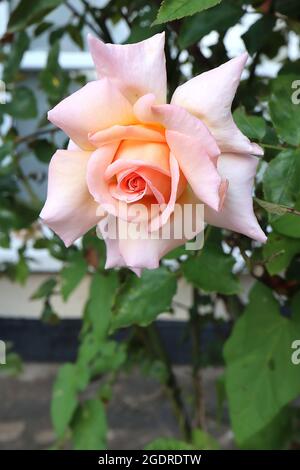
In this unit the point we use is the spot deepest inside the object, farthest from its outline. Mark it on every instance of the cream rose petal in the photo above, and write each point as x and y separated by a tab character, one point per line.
209	96
96	106
136	69
70	210
237	212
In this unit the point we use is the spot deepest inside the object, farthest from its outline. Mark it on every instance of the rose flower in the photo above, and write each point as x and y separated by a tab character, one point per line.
129	148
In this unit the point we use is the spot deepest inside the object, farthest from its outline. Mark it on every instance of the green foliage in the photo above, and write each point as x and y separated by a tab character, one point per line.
89	426
140	300
258	35
72	274
260	376
284	113
27	13
102	295
279	252
22	105
68	383
218	18
175	9
253	127
211	270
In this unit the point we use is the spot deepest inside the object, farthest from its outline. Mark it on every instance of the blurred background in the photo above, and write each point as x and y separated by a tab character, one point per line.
46	290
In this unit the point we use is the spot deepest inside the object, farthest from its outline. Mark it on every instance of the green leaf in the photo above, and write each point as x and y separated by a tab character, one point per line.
258	35
43	149
260	376
72	275
219	18
19	46
45	289
281	186
64	399
22	105
89	426
276	209
281	179
284	113
253	127
141	299
99	307
174	9
168	443
204	441
274	436
27	13
211	270
289	224
279	251
54	80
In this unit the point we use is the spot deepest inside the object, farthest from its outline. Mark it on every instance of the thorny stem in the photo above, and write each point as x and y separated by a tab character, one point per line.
80	16
36	203
274	147
195	324
34	135
172	387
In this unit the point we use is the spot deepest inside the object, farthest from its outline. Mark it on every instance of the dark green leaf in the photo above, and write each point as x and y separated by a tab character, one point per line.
253	127
284	112
258	35
279	251
20	45
211	270
219	18
141	299
281	179
22	105
174	9
43	149
27	13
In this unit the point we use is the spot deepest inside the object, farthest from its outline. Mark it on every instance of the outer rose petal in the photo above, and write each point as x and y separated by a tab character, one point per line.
209	96
191	143
69	209
98	105
136	69
237	213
